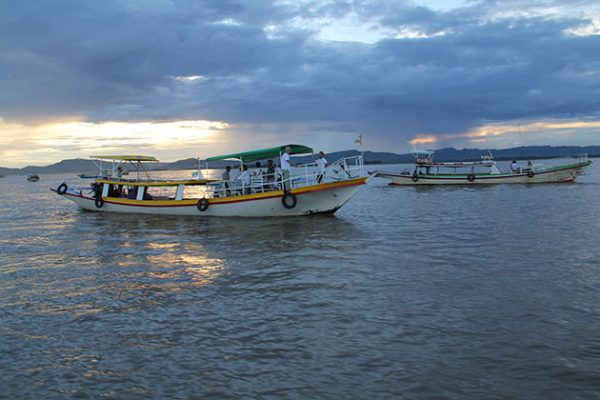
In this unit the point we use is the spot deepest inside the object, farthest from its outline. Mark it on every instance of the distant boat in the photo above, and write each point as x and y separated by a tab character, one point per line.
33	178
429	172
92	175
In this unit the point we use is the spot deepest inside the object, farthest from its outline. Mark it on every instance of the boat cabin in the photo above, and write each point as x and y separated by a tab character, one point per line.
425	165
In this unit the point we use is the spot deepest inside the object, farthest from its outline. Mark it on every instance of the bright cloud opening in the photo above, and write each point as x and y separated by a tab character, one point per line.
424	140
23	145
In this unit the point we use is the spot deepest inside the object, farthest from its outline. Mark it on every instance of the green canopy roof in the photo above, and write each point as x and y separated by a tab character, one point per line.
262	154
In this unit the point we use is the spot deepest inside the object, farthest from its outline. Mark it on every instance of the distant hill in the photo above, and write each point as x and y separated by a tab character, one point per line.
79	165
518	153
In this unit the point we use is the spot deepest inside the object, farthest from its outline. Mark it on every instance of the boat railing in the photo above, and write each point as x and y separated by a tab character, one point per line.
304	175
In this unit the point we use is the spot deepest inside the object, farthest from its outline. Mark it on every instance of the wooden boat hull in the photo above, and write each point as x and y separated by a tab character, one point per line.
563	173
315	199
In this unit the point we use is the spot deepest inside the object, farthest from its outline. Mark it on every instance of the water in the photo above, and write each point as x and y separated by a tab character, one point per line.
413	293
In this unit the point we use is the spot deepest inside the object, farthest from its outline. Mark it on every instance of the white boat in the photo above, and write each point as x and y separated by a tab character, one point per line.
429	172
309	191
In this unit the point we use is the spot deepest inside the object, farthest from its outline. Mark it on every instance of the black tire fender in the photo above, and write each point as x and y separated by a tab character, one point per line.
289	200
203	204
415	177
471	177
530	174
62	188
99	202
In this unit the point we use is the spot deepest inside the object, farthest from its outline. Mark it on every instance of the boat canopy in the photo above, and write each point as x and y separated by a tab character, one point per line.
262	154
126	158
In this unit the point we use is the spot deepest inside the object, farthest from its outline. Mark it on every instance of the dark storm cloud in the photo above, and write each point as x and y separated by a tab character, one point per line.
112	60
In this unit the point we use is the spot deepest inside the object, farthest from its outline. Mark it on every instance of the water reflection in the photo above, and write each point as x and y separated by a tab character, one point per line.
129	261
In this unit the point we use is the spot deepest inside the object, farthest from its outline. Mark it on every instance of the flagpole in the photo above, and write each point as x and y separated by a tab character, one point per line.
359	140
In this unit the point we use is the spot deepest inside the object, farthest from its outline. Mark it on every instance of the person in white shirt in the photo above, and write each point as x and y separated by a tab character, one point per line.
322	164
245	179
286	168
258	171
514	167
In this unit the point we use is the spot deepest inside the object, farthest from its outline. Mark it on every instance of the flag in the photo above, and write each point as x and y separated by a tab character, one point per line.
358	140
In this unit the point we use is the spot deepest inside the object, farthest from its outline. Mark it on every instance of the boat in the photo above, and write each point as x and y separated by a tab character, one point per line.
306	191
485	171
33	178
88	175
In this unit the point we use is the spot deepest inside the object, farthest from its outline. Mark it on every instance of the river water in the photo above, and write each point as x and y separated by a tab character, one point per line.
413	293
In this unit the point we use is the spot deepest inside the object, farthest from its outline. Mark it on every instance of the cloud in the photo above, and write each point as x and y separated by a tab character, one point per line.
392	70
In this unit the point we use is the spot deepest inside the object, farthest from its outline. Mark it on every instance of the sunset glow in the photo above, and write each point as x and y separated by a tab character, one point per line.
79	139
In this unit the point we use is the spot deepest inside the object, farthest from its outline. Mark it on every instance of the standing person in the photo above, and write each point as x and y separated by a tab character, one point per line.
245	179
258	171
286	168
322	164
226	179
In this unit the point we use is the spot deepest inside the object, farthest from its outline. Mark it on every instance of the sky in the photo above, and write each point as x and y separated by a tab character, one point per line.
195	78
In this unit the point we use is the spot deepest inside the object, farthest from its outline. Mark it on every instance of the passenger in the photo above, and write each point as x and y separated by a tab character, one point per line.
286	168
113	191
514	167
322	164
226	179
269	176
258	172
245	179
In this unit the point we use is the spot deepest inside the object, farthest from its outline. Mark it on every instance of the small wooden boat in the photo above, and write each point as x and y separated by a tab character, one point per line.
88	176
429	172
33	178
306	191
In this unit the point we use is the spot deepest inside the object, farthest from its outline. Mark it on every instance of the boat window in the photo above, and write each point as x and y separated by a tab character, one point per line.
160	193
196	192
132	192
115	190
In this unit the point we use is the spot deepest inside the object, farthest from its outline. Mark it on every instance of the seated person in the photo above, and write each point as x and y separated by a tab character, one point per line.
514	167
